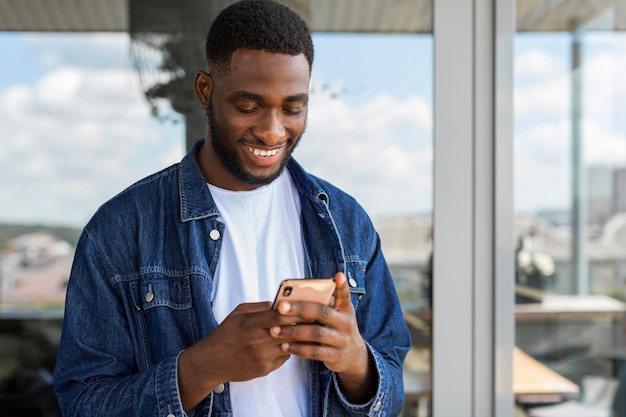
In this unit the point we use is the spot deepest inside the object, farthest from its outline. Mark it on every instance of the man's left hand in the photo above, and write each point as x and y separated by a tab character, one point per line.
330	334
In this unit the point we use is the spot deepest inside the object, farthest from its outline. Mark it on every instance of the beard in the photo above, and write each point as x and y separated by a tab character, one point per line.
229	158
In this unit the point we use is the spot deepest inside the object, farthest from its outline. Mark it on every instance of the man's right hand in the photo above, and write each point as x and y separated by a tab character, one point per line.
240	349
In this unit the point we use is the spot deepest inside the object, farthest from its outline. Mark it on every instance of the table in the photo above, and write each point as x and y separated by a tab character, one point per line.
532	380
558	305
535	382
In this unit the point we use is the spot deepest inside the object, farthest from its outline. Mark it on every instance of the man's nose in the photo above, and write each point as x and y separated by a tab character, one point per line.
271	129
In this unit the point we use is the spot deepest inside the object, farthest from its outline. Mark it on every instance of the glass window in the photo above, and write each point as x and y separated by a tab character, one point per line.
570	159
77	129
370	132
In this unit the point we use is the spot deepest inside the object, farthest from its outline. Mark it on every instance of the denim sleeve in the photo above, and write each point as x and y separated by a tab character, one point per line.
386	334
97	371
384	402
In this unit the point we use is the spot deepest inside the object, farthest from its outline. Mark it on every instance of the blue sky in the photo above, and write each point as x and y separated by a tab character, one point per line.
542	110
400	65
76	130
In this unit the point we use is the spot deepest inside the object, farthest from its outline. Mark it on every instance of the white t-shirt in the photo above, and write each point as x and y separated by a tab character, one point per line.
261	246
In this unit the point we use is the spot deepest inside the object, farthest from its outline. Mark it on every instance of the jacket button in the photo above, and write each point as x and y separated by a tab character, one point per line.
219	389
149	294
214	234
352	282
378	405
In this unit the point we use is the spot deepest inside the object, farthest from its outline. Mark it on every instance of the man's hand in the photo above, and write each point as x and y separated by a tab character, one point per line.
240	349
330	334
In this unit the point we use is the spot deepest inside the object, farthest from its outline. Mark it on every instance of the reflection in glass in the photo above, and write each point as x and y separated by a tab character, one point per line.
570	159
370	132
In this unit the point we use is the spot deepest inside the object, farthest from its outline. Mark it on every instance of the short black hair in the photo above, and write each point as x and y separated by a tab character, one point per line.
258	25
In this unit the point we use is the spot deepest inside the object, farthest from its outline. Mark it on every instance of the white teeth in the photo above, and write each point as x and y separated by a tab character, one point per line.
259	152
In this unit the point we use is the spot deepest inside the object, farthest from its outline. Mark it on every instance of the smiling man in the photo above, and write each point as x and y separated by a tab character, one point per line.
168	306
257	112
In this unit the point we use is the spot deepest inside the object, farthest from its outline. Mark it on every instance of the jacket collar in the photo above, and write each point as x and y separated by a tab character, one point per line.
196	201
307	185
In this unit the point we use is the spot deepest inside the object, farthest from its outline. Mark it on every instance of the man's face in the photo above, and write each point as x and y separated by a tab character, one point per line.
257	113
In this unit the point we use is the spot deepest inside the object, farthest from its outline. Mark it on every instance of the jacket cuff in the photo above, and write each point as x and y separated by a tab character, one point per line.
376	406
166	387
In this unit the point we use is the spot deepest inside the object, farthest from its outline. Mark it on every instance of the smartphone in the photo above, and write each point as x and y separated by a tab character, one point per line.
319	290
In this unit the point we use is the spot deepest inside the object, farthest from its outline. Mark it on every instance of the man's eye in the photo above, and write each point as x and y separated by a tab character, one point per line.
246	110
293	111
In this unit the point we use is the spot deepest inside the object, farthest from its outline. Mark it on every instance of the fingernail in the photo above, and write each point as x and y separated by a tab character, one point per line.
275	331
286	306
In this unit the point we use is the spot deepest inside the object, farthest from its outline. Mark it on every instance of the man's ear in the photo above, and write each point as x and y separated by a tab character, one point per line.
202	84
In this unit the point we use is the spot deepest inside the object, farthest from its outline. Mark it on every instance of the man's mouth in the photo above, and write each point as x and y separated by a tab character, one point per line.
263	152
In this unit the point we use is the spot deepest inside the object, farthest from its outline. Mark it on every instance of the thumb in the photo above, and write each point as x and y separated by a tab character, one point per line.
342	292
252	307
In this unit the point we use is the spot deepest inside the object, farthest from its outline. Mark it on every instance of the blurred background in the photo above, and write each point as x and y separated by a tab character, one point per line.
94	98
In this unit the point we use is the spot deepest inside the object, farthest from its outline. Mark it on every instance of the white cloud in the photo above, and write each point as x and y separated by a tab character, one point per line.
14	101
379	151
543	99
80	133
537	63
74	138
549	141
59	88
93	50
541	179
601	145
543	126
604	97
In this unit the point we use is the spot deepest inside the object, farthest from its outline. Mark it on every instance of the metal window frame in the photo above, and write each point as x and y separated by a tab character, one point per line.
473	298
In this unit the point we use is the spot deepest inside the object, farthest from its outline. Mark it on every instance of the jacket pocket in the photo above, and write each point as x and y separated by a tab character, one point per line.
164	314
163	291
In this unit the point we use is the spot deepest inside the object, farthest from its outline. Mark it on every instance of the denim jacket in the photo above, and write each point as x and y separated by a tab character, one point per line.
140	286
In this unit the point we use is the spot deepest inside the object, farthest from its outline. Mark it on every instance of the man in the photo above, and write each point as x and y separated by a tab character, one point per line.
168	306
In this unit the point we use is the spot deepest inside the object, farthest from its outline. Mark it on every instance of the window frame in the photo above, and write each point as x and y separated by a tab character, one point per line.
473	297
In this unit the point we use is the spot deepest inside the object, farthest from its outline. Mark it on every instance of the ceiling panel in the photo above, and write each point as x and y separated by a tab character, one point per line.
566	15
382	16
64	15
